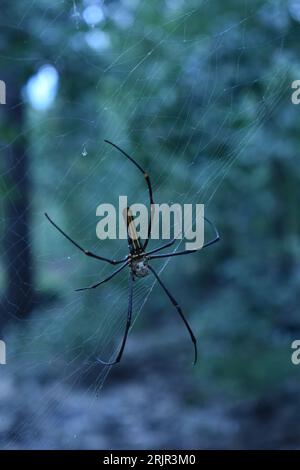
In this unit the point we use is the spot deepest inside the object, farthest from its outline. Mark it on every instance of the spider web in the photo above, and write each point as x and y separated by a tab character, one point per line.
94	173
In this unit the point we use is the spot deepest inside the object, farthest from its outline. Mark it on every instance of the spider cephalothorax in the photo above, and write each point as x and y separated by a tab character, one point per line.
140	266
138	260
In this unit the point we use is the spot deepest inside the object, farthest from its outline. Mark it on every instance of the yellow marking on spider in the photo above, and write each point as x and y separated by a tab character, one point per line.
131	227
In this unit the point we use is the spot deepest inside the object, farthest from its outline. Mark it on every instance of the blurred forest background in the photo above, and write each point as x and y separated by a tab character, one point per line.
200	94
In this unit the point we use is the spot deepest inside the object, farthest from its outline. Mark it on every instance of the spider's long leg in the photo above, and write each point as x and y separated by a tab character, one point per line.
128	324
161	247
147	178
186	252
104	280
86	252
178	308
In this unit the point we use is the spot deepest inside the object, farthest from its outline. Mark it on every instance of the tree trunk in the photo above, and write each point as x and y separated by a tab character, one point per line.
18	298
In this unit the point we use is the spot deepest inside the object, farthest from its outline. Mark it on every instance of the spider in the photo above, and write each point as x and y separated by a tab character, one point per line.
138	261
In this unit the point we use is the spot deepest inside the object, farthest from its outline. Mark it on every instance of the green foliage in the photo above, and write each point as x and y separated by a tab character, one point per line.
201	95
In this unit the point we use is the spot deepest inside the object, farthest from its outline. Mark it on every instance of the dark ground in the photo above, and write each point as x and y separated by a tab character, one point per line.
142	405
